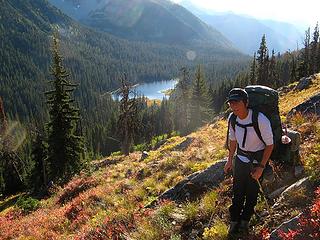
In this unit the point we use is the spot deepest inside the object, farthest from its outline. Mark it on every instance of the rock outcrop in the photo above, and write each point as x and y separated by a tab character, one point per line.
311	106
304	83
183	146
196	184
303	184
285	227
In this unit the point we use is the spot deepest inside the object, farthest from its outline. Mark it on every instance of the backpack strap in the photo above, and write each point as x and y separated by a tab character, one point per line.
255	123
245	127
232	123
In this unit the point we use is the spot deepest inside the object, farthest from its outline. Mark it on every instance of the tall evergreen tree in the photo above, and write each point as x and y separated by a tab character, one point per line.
165	117
253	77
262	60
293	74
304	58
181	103
314	50
39	156
272	71
128	116
212	99
199	100
65	148
12	169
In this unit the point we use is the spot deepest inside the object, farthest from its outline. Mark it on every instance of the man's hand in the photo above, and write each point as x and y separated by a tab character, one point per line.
256	173
228	167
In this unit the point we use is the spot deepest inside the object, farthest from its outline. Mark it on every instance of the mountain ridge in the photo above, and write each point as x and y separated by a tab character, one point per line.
245	32
148	20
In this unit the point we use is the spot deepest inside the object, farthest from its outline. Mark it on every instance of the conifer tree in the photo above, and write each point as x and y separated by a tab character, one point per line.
272	71
65	148
304	59
12	168
128	116
314	50
253	77
165	117
293	74
212	99
39	156
262	60
181	103
199	100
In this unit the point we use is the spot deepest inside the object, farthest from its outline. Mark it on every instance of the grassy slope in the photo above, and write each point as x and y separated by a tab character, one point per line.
109	201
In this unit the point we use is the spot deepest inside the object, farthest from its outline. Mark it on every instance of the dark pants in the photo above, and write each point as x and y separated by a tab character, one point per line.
245	192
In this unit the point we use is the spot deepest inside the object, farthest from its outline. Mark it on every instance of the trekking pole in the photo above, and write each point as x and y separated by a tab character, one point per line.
264	197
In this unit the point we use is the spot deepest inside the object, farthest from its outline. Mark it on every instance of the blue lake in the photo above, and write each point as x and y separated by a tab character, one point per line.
154	90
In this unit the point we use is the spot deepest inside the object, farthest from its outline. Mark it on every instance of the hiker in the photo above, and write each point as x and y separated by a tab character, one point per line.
252	155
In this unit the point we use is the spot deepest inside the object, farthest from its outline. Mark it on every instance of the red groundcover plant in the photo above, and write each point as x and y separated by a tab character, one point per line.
309	223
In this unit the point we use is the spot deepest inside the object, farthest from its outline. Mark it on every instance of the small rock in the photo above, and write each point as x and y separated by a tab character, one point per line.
140	174
298	171
303	83
128	173
178	217
264	213
144	155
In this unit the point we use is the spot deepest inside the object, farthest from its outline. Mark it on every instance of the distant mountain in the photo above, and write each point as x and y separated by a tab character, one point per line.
144	20
245	32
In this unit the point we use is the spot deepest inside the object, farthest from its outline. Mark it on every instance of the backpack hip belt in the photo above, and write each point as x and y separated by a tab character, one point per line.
251	155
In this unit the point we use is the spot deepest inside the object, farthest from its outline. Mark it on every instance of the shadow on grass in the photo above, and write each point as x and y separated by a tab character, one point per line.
9	202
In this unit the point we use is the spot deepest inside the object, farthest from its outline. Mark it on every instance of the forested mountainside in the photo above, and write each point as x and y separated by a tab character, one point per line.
96	60
145	20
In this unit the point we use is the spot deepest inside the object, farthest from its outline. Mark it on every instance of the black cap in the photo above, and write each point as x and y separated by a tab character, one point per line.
237	94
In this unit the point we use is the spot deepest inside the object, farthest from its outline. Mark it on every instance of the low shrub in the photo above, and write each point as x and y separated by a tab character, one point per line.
28	204
309	223
75	187
219	231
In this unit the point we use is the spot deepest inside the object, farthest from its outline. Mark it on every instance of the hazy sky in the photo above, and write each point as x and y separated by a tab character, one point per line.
302	12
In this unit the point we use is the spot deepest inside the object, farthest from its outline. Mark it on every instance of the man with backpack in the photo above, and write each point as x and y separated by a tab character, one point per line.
250	136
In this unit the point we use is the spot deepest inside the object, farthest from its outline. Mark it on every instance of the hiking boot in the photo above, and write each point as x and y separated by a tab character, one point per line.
244	227
233	228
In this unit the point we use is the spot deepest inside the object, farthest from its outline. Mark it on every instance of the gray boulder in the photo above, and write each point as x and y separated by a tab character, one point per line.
183	146
303	184
303	83
196	184
291	224
275	194
311	106
295	140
